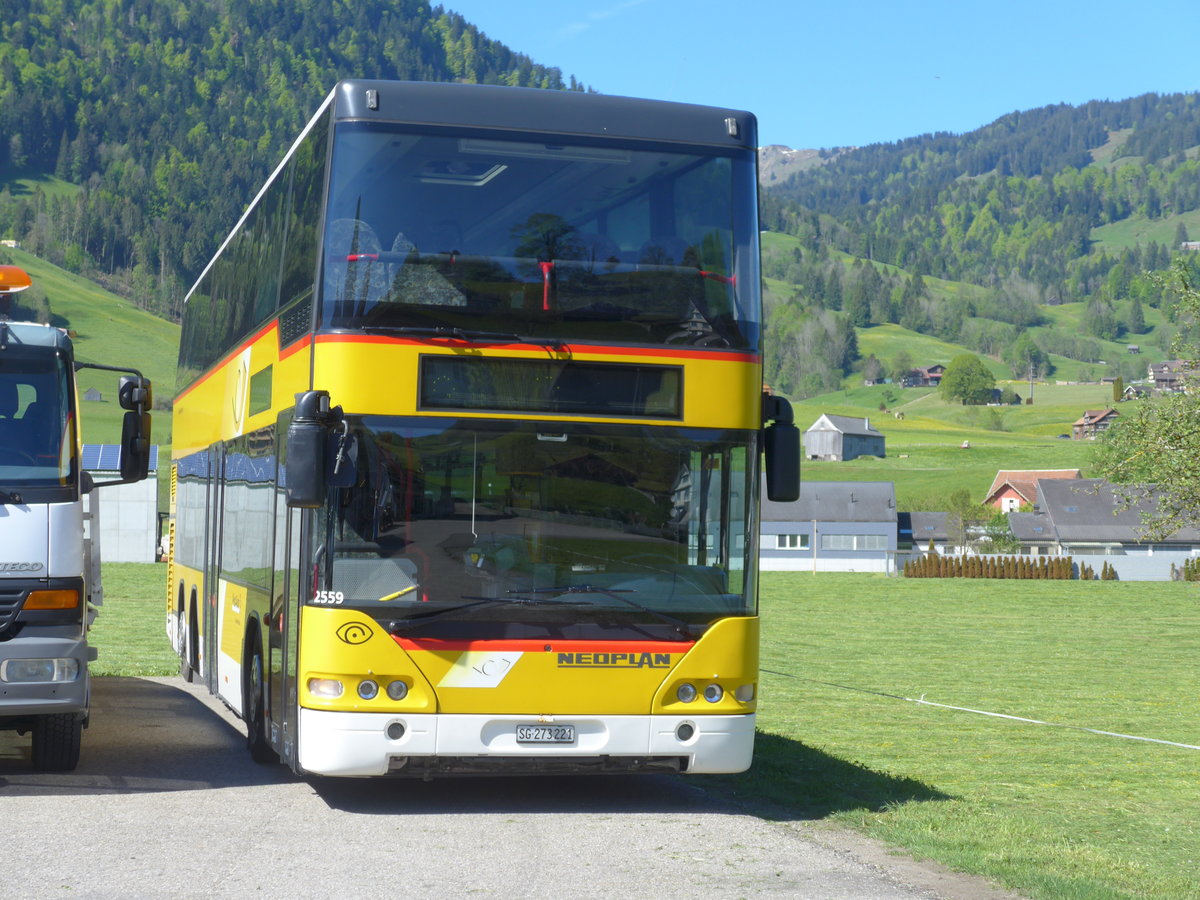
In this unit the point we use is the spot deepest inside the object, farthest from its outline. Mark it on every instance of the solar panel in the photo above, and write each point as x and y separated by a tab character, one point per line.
107	457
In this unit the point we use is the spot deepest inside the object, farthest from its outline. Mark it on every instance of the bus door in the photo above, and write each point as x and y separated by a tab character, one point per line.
283	634
211	640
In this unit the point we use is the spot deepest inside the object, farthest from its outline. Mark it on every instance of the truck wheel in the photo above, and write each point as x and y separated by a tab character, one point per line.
253	710
56	740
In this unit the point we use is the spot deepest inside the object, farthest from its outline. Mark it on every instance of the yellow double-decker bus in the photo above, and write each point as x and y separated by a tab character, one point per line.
468	439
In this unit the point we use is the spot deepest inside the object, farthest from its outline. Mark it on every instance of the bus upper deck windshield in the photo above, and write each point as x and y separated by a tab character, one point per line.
463	233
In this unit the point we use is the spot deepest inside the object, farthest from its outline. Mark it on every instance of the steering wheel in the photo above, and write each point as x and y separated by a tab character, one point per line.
6	454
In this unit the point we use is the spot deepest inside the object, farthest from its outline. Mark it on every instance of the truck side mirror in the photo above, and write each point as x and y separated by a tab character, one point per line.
781	445
135	395
307	437
135	446
134	392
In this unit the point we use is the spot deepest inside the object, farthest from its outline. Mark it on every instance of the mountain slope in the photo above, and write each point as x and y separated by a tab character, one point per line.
169	114
108	330
1057	206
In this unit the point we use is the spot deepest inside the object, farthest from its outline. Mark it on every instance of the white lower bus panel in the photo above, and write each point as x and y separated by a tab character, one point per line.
361	744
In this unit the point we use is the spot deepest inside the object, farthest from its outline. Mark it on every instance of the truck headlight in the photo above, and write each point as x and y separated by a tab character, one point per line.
39	671
63	599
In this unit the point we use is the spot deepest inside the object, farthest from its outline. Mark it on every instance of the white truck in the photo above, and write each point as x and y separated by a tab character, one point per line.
49	542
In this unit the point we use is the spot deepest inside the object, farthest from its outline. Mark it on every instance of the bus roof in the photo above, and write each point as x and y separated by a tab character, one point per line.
545	111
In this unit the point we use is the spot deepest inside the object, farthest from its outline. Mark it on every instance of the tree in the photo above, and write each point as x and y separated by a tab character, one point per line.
1023	354
872	369
967	380
1155	451
963	519
1135	319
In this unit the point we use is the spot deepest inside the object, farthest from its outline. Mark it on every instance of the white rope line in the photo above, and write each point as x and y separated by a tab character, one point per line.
983	712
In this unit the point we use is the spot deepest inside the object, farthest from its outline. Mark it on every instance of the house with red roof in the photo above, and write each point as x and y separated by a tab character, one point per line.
1013	488
1092	423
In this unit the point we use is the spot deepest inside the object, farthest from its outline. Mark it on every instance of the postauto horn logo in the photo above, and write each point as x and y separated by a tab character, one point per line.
354	633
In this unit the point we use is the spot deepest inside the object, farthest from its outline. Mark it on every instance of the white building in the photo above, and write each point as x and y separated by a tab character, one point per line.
128	512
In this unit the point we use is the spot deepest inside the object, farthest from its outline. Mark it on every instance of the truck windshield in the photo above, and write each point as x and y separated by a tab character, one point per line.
478	528
612	242
36	444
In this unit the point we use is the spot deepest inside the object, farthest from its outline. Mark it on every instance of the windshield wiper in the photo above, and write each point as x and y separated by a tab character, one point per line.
10	497
679	626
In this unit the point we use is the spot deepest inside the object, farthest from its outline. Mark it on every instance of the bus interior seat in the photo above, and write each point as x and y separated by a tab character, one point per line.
424	284
37	428
600	253
9	399
674	267
355	277
664	251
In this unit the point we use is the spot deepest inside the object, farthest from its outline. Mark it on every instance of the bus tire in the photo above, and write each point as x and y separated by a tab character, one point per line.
185	670
189	643
253	708
56	740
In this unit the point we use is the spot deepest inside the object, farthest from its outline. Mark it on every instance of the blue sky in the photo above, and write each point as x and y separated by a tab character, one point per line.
840	74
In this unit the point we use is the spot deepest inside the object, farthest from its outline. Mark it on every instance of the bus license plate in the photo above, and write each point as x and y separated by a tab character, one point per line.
545	734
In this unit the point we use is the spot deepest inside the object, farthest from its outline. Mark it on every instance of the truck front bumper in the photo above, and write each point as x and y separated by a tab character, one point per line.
21	699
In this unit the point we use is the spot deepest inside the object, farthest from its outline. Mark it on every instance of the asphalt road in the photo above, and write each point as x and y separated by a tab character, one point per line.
167	803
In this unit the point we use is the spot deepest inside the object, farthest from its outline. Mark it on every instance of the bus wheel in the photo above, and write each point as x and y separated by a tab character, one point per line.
181	629
253	709
189	648
56	740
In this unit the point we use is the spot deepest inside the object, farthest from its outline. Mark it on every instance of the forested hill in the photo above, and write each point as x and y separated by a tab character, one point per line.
149	124
1055	205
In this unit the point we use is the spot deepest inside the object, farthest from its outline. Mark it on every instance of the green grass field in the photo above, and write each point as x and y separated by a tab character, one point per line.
925	458
1134	230
130	631
1051	812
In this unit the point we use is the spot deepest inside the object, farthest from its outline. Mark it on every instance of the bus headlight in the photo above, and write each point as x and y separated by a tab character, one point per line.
329	688
713	693
368	689
397	690
744	693
686	693
39	671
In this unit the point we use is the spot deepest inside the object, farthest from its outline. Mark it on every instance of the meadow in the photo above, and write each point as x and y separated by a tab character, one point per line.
1048	810
926	459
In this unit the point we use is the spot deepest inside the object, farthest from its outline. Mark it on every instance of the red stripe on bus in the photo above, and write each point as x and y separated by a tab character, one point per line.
262	332
595	349
435	645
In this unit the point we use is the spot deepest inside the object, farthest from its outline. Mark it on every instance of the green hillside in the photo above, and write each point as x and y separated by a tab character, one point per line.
135	134
108	330
925	455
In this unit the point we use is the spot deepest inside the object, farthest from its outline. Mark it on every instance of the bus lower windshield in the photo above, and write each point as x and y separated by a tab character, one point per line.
36	447
479	528
612	241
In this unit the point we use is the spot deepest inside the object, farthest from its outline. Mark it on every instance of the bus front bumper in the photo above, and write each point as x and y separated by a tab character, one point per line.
358	744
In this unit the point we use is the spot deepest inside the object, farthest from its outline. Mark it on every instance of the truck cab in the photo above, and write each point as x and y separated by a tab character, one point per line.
50	584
